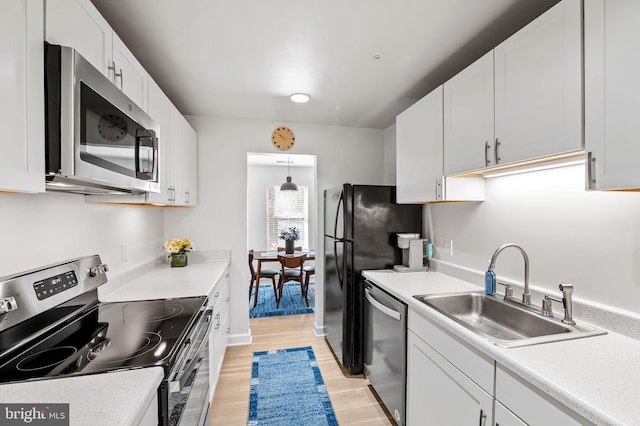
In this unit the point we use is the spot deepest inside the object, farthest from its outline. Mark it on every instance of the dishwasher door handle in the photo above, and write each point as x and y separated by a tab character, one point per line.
382	308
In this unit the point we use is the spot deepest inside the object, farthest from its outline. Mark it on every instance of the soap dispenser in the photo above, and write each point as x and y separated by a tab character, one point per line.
490	282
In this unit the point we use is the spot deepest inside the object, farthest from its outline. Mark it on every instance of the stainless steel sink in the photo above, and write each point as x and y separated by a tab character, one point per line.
504	323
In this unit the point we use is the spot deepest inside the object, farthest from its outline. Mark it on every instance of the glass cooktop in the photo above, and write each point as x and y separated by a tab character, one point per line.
110	336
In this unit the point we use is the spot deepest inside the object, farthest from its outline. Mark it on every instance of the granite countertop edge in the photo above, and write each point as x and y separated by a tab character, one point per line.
123	395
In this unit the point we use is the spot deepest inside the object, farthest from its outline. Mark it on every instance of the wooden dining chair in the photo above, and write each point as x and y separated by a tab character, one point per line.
291	270
264	273
308	271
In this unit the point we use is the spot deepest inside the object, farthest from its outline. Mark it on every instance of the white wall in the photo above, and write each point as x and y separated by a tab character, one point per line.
589	239
390	155
220	220
40	229
258	177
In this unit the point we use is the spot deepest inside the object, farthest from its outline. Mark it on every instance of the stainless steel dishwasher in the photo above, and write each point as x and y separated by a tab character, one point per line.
385	344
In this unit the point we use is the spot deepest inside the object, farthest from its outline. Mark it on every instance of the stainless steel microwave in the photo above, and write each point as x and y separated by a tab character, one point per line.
97	140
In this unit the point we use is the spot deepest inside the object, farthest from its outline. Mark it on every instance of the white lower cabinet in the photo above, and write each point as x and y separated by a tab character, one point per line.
438	393
219	336
150	416
504	417
450	383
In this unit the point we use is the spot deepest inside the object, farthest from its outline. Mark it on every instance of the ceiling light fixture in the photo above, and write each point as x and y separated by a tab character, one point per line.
299	97
288	185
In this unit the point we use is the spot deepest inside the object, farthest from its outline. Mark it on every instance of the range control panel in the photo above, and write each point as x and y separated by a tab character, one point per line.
54	285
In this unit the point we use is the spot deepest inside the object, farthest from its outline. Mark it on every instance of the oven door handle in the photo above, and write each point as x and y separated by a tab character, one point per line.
382	308
182	374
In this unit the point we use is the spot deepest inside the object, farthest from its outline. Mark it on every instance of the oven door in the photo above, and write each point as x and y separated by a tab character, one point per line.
184	393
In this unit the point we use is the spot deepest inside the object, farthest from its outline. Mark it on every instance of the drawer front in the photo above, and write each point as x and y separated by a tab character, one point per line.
475	365
531	404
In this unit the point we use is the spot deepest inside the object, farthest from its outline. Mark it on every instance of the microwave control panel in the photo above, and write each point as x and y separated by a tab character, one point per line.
54	285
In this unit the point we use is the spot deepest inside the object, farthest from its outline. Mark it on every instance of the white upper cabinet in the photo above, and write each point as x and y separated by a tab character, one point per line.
612	89
78	24
158	104
419	157
129	74
468	118
176	156
538	87
22	90
190	165
419	149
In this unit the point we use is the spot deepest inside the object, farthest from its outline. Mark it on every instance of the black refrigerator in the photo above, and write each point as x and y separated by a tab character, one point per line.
360	227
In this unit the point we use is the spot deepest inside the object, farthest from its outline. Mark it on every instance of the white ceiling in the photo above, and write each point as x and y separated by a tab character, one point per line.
242	58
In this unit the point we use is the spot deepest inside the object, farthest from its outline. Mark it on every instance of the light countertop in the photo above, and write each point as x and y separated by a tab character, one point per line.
164	282
598	377
116	398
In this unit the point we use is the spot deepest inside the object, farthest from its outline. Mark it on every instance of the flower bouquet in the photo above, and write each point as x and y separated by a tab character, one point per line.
178	250
289	235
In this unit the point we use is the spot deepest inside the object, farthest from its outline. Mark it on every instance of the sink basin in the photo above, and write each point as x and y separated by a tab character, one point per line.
504	323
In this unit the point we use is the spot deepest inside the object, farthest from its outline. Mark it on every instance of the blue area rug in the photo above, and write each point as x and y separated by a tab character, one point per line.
287	389
292	302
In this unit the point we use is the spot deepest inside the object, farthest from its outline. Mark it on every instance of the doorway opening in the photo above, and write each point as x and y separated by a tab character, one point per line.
273	213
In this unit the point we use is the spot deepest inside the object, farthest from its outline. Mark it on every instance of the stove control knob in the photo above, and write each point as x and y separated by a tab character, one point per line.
94	271
8	304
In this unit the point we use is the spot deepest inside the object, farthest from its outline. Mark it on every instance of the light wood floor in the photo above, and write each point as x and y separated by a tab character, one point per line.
352	400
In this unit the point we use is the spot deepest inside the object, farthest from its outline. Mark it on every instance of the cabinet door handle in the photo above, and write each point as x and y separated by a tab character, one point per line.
591	164
487	147
483	418
496	152
112	67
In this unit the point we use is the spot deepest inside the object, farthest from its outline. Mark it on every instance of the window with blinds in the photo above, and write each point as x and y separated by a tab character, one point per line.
287	209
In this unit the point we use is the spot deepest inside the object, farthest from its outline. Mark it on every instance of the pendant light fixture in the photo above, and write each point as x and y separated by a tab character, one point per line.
288	185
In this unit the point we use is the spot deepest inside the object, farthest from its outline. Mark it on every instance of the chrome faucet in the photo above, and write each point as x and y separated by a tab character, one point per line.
567	291
526	297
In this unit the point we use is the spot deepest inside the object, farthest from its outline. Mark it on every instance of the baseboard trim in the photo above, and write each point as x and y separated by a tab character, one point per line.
240	339
319	330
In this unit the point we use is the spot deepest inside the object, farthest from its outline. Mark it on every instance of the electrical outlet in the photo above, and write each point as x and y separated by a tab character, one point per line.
448	246
124	253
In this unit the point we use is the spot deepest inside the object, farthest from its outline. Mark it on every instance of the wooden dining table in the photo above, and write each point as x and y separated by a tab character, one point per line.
272	256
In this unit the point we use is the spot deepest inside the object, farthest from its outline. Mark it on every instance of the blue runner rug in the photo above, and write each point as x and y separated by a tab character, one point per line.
292	302
287	390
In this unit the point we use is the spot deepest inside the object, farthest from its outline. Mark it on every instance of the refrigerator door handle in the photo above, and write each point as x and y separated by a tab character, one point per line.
337	215
335	250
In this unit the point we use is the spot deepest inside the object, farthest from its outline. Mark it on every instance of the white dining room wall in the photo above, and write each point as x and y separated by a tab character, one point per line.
219	222
40	229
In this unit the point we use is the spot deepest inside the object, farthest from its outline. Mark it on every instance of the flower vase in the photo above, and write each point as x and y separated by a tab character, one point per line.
288	246
178	260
